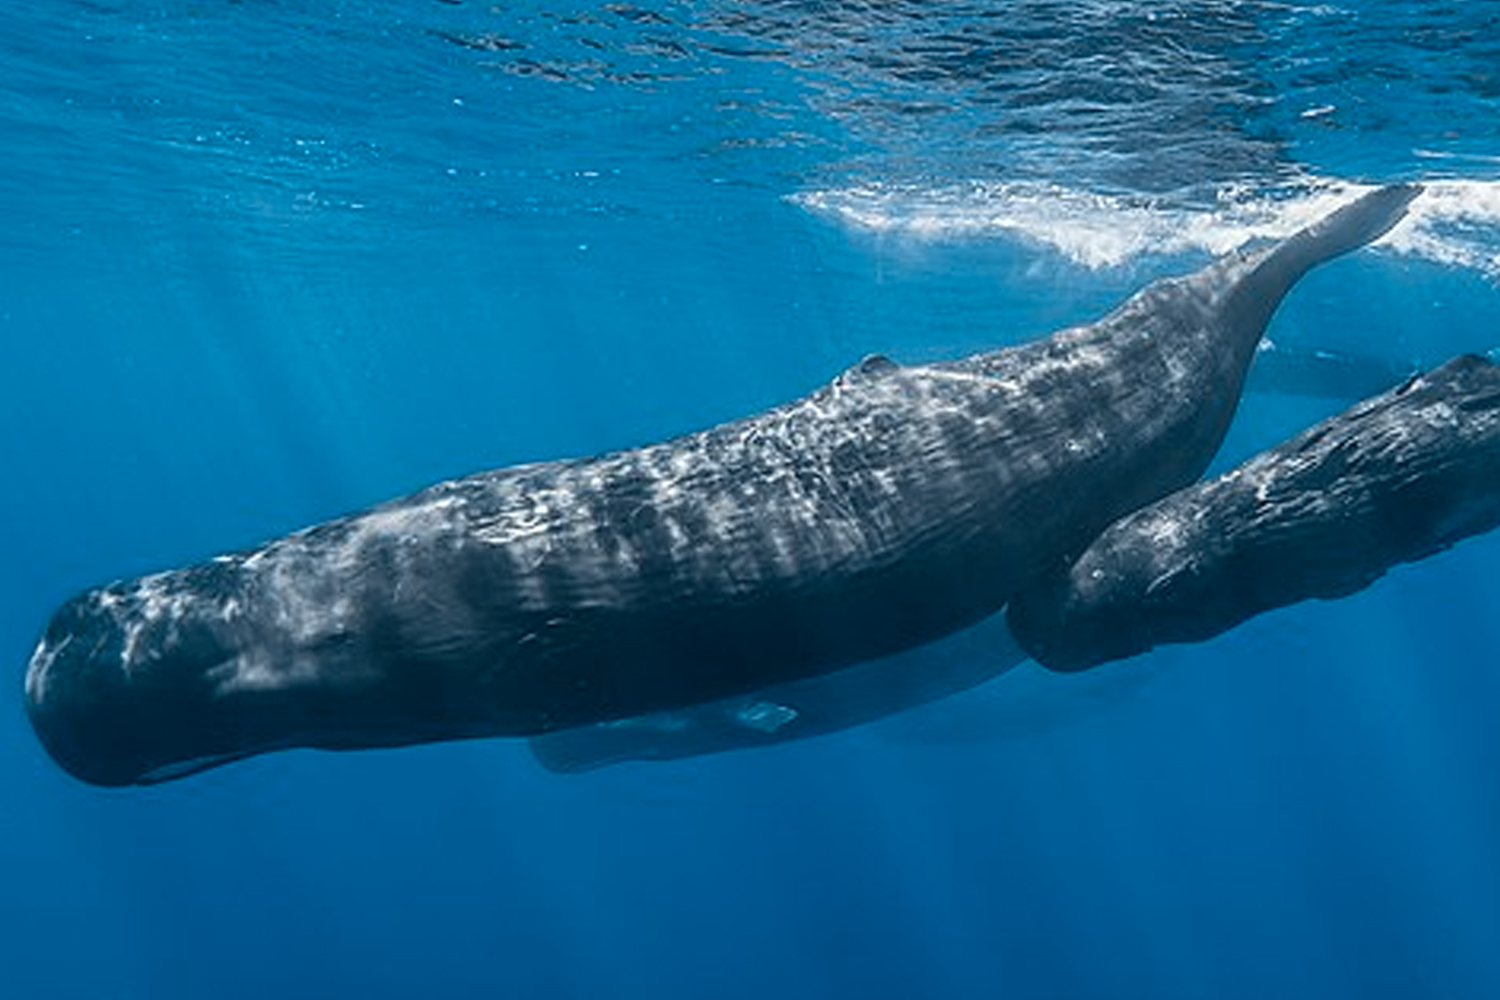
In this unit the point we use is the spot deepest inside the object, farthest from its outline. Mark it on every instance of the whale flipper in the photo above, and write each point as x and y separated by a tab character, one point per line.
815	707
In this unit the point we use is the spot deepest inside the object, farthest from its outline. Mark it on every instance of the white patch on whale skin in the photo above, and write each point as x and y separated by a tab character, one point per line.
1440	415
1165	531
155	616
308	584
765	716
257	670
39	670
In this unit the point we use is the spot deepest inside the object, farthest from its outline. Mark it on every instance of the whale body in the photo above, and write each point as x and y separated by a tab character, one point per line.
885	510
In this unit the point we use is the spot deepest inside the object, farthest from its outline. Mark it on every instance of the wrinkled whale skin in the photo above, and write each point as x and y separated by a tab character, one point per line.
1394	479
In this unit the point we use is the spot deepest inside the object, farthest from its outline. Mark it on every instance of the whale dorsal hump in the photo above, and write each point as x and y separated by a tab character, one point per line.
872	366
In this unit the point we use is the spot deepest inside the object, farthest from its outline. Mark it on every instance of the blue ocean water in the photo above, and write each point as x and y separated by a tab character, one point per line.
265	262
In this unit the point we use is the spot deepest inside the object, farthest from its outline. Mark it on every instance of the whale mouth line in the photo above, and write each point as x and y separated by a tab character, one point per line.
184	768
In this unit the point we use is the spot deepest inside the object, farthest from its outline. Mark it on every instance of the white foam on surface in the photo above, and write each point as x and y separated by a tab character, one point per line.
1454	222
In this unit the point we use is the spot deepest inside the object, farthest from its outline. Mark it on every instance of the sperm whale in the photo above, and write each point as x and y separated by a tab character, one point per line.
887	509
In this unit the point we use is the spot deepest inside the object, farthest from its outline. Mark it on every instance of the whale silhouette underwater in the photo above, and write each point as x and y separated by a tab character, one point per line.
743	578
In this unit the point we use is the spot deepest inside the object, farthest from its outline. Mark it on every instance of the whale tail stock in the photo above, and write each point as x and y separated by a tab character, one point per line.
1270	273
1356	224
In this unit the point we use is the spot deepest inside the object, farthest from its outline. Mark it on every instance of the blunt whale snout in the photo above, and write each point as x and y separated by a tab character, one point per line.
87	710
119	697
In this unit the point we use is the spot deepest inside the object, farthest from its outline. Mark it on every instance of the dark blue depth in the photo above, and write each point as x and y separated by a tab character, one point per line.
263	263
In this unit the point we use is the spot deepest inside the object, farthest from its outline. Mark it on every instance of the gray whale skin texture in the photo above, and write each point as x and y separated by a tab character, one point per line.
1393	479
886	510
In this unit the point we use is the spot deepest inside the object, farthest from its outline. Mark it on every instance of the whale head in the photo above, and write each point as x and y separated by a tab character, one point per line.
161	677
172	674
120	696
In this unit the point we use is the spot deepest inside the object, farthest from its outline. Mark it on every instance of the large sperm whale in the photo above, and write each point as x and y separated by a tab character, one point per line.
889	508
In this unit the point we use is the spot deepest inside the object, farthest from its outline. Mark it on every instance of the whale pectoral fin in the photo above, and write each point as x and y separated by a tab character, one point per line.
716	727
764	716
